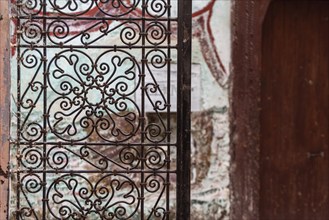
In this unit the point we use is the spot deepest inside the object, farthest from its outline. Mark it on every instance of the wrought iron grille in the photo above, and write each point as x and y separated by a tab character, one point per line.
82	145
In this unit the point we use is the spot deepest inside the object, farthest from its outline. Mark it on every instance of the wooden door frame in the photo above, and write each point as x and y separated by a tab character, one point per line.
247	22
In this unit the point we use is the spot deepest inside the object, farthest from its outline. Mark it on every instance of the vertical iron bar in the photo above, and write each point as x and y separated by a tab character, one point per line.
18	116
142	185
184	108
44	29
168	35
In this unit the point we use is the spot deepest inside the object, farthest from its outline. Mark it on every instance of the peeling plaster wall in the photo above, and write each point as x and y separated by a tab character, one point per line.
210	127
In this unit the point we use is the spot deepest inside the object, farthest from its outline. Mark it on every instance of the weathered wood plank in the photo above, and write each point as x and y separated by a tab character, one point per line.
294	136
247	20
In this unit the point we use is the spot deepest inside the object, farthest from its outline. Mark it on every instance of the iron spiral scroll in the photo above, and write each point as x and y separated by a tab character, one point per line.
83	146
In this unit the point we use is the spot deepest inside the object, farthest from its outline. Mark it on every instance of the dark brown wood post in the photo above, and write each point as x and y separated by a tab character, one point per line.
4	104
247	21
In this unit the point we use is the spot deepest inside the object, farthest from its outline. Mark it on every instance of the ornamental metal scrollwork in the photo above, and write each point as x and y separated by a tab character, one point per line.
118	8
75	197
84	144
60	33
93	94
28	7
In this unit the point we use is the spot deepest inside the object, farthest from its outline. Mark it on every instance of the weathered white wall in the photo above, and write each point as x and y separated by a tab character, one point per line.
210	127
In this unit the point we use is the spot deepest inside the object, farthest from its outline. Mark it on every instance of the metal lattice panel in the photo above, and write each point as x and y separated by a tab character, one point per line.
83	146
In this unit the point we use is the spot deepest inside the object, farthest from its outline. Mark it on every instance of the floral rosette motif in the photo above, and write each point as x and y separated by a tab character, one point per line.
93	96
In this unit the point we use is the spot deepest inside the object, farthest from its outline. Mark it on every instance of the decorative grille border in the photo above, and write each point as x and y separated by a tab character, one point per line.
71	103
